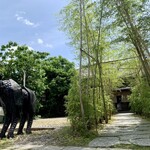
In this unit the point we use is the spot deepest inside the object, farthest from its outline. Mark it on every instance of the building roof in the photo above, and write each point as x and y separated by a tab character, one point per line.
123	88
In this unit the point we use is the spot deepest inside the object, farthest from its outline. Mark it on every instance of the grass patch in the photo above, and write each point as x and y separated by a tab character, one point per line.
66	137
6	143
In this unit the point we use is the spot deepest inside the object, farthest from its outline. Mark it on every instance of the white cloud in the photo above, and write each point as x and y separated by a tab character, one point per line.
24	20
40	41
49	45
27	22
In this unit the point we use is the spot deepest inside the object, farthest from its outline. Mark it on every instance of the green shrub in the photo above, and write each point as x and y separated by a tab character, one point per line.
92	103
140	99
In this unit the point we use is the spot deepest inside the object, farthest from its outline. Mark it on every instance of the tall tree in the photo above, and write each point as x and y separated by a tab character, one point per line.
80	56
18	60
58	72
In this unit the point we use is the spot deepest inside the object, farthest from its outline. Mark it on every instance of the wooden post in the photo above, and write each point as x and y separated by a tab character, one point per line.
24	78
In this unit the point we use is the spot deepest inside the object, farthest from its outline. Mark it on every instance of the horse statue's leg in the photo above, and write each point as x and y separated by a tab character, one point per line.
28	111
21	125
31	111
6	124
29	124
22	121
27	115
15	117
12	128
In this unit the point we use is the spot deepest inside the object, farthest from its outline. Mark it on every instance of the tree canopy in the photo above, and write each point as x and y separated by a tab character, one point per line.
58	72
48	76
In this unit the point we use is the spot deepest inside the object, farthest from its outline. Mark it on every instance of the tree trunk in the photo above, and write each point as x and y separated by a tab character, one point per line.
99	58
80	69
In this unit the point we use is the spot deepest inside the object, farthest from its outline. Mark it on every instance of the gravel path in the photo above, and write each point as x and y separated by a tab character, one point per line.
51	123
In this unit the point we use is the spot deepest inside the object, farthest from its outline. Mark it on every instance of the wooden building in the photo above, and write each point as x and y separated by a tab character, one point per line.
121	100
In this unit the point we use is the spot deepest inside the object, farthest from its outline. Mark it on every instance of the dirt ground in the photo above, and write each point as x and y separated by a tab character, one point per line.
50	123
44	132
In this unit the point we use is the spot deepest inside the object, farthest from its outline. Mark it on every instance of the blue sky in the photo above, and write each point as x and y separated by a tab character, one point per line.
34	23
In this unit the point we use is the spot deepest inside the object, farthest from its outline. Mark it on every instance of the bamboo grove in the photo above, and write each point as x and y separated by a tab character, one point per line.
111	39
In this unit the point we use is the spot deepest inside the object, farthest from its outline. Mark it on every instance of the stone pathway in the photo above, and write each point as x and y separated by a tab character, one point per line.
126	128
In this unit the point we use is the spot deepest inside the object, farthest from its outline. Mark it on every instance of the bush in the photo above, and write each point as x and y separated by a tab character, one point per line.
140	99
93	106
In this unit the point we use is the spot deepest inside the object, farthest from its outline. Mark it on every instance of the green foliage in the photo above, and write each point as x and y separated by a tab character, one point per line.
49	77
58	72
19	61
73	105
93	112
140	99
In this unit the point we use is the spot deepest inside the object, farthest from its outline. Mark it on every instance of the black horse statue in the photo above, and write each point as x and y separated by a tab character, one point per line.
18	103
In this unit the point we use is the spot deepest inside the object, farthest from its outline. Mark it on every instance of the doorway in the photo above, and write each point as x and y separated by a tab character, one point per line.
119	108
